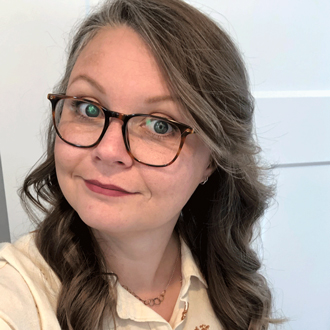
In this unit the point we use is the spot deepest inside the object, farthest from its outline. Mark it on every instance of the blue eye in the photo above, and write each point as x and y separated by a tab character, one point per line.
159	126
86	109
92	111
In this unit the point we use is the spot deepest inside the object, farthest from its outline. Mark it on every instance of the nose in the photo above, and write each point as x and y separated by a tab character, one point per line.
111	149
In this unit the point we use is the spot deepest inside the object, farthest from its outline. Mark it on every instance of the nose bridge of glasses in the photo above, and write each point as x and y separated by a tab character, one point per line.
114	114
109	114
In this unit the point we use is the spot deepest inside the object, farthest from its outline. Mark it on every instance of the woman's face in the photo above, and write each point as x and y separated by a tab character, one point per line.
110	191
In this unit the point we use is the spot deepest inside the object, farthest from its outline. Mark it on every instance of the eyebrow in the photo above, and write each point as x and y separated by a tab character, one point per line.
90	81
150	100
162	98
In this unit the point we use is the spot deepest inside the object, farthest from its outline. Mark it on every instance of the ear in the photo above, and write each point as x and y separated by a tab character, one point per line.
209	170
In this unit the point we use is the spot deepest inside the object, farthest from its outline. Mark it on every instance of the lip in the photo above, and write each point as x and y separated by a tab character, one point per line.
106	189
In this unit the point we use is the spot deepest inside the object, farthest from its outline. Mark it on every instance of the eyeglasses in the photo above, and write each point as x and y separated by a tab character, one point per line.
150	140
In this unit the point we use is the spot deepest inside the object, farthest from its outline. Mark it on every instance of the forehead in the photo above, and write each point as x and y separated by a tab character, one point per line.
119	54
118	41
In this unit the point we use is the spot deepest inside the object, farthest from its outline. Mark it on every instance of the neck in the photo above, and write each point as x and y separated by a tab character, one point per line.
143	262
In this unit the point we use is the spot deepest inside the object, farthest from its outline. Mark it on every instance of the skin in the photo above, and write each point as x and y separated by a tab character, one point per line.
134	229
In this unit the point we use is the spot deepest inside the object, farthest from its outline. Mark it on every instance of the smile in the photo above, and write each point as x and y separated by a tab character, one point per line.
104	189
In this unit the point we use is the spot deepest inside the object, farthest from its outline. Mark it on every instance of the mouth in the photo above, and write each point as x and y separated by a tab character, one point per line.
106	189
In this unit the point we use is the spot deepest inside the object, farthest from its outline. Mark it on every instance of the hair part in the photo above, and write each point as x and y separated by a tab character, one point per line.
204	70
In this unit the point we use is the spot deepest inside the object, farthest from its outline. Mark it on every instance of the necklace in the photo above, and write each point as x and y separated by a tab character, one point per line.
158	300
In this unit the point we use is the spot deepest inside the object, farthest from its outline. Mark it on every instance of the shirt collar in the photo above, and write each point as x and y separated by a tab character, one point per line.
189	267
129	307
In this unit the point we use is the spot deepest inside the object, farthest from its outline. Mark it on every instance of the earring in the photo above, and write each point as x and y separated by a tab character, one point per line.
203	182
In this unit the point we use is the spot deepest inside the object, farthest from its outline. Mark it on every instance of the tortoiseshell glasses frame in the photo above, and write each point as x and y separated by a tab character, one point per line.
139	128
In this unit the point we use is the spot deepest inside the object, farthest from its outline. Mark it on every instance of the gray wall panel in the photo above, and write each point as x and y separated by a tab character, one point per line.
4	225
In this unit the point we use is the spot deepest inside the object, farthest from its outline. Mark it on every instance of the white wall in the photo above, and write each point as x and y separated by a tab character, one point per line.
286	47
33	37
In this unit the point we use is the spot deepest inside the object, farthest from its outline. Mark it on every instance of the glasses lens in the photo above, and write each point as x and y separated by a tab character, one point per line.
78	121
153	140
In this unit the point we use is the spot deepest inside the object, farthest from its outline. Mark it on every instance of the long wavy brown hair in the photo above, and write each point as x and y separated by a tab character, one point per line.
204	70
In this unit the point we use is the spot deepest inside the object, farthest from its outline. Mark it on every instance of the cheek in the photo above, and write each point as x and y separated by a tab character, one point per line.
58	155
61	165
67	159
67	156
173	185
62	158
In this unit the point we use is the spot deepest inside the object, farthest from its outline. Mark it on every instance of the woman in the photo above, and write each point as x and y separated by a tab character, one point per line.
150	188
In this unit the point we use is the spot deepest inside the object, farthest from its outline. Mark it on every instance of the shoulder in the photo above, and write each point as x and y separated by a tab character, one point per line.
28	287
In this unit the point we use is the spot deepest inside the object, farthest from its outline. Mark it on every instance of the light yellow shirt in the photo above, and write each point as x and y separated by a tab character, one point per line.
29	289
